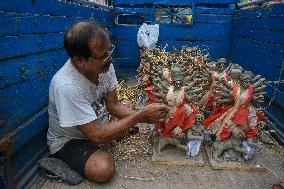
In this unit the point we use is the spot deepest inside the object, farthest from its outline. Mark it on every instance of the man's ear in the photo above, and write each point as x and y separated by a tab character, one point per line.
78	61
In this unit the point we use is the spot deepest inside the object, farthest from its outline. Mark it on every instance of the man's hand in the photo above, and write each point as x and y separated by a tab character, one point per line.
153	113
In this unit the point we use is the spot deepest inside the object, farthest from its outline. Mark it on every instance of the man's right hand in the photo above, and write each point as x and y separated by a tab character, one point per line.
153	113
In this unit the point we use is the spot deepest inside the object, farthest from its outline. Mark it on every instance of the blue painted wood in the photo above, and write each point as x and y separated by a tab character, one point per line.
221	11
212	18
256	54
264	23
12	46
29	137
170	2
18	70
50	7
32	24
126	66
119	10
258	12
201	31
20	101
276	37
126	49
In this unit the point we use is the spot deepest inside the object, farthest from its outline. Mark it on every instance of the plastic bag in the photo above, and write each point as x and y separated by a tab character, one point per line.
248	149
147	36
193	147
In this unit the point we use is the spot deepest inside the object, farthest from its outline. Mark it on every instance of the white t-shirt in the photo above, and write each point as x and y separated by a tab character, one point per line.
73	101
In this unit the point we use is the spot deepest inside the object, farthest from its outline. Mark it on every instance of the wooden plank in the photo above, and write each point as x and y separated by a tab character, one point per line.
126	49
274	36
50	7
7	15
20	102
256	55
126	66
265	23
129	2
261	58
12	46
252	165
219	11
200	31
35	24
273	10
28	142
173	156
120	10
27	68
169	2
212	18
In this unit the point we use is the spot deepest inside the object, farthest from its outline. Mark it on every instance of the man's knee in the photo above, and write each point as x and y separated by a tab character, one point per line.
100	167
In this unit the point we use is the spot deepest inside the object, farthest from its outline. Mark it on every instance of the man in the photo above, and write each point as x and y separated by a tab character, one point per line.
82	94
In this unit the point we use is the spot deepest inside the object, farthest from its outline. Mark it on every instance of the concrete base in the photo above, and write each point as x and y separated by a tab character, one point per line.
251	165
174	156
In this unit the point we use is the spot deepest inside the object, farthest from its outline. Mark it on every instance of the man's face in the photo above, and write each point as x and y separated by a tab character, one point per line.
100	59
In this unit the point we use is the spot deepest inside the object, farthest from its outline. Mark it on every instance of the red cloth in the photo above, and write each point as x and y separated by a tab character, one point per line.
241	116
181	119
208	121
251	132
225	134
149	91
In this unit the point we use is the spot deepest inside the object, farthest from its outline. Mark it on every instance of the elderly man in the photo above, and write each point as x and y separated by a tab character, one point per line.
82	95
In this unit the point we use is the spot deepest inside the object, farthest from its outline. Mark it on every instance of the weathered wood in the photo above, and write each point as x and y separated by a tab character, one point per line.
50	7
200	31
272	36
264	23
18	70
219	11
15	46
212	18
170	2
258	12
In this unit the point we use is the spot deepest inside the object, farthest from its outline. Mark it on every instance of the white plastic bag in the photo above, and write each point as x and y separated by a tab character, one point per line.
147	36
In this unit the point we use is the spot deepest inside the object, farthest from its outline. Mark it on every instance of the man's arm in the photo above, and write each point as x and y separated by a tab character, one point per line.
116	108
100	134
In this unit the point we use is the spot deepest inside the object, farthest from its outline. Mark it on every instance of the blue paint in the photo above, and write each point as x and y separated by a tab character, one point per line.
169	2
36	43
31	51
219	11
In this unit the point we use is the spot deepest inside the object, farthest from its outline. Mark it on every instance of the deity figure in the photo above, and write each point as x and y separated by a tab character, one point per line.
238	121
178	96
216	72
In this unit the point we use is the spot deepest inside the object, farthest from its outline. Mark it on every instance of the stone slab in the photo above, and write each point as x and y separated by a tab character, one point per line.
174	156
251	165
